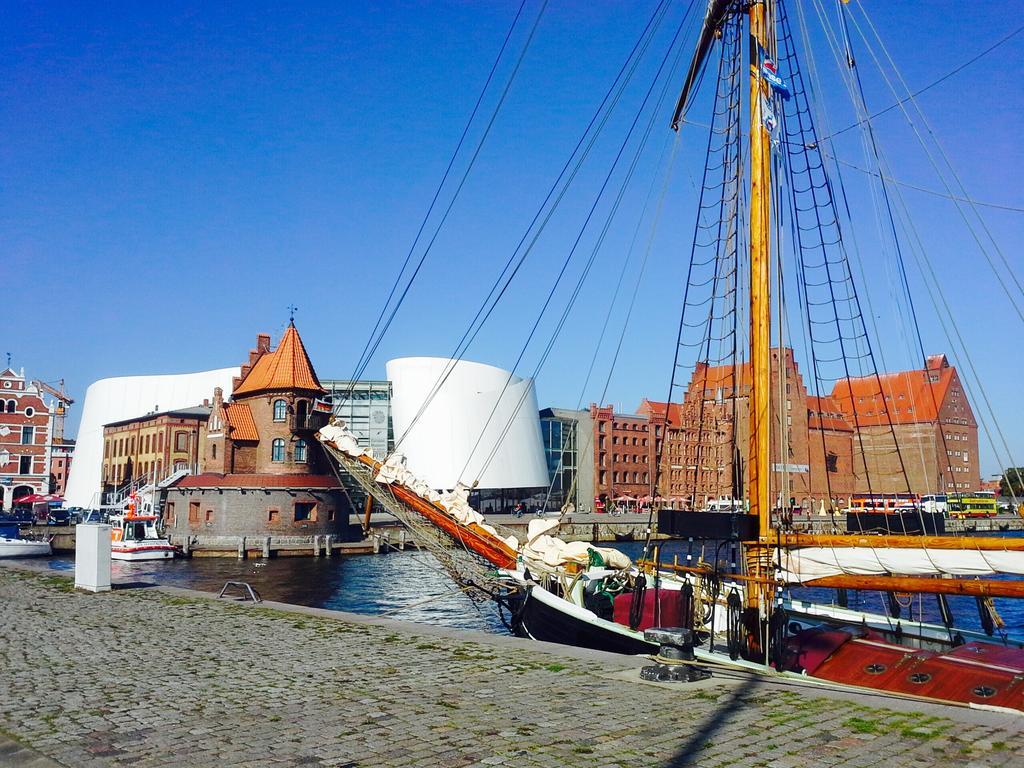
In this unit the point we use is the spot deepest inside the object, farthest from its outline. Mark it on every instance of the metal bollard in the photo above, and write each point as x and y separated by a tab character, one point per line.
674	662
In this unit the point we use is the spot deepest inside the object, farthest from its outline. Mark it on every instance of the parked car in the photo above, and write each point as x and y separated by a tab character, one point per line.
59	516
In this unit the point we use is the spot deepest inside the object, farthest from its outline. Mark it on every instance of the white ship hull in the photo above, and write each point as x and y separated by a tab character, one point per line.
23	548
153	550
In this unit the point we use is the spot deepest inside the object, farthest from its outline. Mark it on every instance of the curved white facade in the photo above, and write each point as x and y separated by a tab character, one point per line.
441	443
126	397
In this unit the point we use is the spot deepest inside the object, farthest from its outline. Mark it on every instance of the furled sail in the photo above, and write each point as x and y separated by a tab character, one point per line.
810	563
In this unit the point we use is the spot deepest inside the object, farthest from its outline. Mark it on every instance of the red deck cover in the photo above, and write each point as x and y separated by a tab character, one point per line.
669	615
965	674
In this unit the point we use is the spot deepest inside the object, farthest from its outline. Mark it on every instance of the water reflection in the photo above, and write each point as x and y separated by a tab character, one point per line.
369	584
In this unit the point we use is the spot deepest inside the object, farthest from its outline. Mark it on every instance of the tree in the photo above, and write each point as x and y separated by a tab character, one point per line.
1012	482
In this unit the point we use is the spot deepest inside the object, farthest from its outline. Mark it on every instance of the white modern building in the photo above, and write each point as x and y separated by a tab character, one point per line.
128	397
459	421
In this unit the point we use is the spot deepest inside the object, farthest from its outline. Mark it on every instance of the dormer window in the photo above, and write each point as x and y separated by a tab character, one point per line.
280	410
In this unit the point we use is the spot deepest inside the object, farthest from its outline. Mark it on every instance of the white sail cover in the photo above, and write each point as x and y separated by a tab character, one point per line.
809	563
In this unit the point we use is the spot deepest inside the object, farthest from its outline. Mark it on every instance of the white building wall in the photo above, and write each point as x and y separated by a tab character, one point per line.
442	447
127	397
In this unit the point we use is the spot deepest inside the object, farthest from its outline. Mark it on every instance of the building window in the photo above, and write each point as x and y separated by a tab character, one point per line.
169	512
181	441
831	462
300	450
25	465
213	451
305	510
11	405
30	412
193	511
28	435
209	516
160	443
273	515
280	410
278	451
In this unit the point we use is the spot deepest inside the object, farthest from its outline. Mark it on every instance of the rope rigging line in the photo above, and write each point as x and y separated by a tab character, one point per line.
380	331
946	160
800	131
572	251
545	211
930	85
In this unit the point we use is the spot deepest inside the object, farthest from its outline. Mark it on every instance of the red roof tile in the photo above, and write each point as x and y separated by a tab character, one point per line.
286	368
215	480
240	422
907	397
653	408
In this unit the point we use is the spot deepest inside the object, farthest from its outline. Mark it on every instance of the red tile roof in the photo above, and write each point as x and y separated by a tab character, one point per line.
907	397
653	408
240	422
216	480
287	368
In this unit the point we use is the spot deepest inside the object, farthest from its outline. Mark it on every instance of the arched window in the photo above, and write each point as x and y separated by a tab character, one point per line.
300	450
280	410
11	405
277	449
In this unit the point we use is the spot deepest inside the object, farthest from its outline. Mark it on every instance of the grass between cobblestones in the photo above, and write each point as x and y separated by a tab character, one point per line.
146	678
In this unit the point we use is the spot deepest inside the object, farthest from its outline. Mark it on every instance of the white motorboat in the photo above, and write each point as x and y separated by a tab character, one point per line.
134	537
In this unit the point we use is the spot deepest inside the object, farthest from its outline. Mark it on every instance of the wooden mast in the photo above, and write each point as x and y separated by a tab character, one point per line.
758	492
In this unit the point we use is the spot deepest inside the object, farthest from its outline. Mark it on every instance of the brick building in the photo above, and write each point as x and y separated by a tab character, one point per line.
934	427
625	446
262	470
835	445
155	445
60	464
26	445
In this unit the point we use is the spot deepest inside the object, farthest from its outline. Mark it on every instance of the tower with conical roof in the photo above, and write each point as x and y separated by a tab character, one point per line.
263	471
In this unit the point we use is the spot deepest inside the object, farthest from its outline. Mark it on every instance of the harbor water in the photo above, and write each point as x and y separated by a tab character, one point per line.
409	585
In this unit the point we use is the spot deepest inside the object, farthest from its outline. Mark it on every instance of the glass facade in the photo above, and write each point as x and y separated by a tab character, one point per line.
559	435
365	407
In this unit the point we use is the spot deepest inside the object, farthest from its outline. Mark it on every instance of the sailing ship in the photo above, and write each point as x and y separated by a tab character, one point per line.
581	594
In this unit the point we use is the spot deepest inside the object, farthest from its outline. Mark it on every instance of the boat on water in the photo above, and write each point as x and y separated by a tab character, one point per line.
13	545
134	536
764	183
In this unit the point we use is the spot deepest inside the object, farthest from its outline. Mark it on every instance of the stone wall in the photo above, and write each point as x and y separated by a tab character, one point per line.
256	512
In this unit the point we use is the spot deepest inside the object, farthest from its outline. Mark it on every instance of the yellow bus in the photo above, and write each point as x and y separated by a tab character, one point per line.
977	504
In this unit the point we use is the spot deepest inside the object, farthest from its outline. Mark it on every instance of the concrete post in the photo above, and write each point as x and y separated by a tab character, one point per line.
401	540
376	543
92	557
266	547
186	546
328	545
316	546
241	547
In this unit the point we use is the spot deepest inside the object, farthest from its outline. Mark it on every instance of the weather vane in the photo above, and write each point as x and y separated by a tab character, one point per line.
291	313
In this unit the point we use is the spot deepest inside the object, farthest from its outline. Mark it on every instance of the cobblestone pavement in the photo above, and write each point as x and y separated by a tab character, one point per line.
155	677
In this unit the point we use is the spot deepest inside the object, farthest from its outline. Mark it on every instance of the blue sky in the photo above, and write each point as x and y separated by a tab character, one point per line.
173	178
